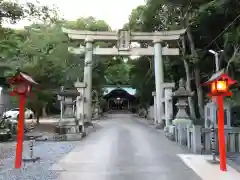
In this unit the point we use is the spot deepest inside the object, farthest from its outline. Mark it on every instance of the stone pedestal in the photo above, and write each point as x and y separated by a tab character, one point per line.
68	126
68	109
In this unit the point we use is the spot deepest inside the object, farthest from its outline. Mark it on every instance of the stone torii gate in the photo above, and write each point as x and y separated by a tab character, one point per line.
123	40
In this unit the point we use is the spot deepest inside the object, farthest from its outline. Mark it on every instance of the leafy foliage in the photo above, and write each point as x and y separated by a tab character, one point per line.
210	24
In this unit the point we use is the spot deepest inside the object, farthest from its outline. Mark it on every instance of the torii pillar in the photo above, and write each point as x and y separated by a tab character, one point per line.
159	78
88	78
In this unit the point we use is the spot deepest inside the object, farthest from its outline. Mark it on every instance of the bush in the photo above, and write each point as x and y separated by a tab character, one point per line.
5	135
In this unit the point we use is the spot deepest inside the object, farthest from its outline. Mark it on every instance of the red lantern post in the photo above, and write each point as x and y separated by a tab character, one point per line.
22	85
220	83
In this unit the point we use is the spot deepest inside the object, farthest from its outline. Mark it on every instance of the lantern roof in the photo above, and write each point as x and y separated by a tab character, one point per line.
21	77
220	75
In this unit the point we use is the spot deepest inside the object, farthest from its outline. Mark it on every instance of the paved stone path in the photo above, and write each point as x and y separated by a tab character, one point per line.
124	149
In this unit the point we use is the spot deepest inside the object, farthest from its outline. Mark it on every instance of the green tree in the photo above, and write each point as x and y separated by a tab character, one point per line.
196	17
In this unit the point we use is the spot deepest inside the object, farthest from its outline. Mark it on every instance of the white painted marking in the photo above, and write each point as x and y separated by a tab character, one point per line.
207	171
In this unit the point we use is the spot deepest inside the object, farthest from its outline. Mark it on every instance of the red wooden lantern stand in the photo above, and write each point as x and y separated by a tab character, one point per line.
219	83
22	86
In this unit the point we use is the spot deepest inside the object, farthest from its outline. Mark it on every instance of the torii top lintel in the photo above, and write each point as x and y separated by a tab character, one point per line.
134	36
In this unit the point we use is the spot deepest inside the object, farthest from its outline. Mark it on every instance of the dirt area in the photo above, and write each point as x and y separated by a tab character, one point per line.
43	127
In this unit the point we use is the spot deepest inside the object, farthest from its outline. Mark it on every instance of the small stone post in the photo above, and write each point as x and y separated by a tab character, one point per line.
197	145
80	111
61	98
168	89
155	107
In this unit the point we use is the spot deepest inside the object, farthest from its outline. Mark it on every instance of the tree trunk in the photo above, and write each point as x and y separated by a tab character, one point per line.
199	92
188	81
196	71
188	87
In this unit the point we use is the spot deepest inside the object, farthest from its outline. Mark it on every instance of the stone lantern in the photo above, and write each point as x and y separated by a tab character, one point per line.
182	95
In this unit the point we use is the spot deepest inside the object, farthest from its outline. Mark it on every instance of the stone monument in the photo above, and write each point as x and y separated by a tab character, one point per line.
67	123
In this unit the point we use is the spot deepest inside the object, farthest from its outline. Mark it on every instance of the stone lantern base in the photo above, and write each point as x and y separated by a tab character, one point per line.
160	125
182	121
69	128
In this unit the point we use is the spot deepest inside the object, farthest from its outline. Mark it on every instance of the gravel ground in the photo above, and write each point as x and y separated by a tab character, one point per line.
49	152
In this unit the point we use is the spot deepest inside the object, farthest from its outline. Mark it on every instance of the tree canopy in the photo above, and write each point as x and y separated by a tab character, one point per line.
42	48
210	24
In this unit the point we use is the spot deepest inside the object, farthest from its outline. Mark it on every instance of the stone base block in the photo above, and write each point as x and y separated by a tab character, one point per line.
62	137
171	129
159	126
186	122
68	129
74	137
31	160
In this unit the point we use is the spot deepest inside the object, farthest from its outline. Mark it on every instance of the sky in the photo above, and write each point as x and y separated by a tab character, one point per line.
114	12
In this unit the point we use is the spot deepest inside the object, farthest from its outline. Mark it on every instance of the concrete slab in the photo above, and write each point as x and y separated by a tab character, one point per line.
207	171
124	149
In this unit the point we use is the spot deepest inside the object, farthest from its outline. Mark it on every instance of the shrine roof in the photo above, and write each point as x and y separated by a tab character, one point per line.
128	89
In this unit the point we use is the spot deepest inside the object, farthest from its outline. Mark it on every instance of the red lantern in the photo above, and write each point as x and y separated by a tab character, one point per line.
22	85
219	83
219	86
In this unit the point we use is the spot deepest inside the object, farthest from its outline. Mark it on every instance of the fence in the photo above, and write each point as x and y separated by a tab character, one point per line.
232	140
198	139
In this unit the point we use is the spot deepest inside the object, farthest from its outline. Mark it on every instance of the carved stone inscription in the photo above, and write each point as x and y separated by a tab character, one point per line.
124	40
